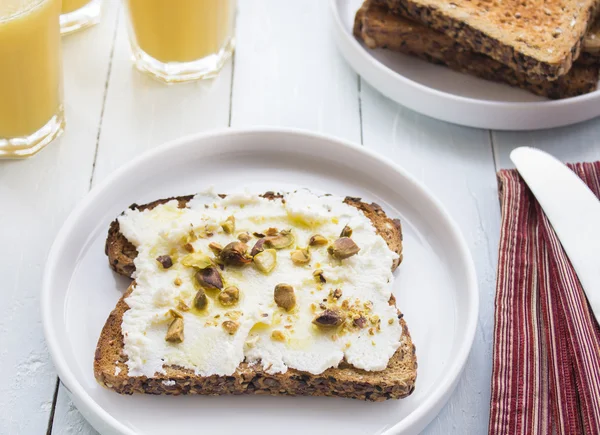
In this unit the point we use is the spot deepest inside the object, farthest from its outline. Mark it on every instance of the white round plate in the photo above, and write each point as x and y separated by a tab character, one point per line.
441	93
436	285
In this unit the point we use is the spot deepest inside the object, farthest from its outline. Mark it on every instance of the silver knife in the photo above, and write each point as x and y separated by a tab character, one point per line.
572	209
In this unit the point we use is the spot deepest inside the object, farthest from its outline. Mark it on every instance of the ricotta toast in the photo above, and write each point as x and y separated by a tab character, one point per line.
264	294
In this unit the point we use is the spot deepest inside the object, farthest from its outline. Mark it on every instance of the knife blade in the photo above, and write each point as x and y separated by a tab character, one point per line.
572	209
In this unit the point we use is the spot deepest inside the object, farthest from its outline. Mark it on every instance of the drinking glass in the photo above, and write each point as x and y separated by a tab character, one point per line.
31	97
181	40
79	14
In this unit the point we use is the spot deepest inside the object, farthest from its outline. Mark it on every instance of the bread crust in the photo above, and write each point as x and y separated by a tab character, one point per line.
379	27
481	29
110	368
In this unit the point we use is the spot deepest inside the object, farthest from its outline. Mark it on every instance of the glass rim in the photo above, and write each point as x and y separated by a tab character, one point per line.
22	11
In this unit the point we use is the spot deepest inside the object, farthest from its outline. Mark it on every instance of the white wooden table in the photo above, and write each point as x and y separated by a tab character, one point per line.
286	72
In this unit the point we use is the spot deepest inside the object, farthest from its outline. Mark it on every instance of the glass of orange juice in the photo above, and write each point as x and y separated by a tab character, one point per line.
79	14
181	40
31	101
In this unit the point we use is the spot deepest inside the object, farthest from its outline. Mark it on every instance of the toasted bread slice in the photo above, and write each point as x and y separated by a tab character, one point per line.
379	27
110	368
395	382
121	252
536	37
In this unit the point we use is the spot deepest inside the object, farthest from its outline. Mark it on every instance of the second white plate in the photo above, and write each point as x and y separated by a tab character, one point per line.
436	285
441	93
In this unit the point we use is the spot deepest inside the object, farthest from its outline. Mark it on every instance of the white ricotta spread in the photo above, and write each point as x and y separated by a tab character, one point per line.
364	280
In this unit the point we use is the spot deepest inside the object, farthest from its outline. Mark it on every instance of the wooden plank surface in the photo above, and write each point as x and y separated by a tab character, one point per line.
288	72
456	164
36	196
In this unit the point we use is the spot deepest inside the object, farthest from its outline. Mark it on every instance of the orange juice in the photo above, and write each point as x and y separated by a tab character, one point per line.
30	77
181	30
73	5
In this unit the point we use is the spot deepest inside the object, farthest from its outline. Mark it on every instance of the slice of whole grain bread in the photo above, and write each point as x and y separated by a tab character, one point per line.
121	252
395	382
110	368
536	37
379	27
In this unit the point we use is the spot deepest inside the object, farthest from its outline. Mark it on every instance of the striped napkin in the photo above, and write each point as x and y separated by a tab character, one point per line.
546	367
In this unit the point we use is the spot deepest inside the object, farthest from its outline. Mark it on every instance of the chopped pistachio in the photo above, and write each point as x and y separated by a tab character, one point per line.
200	300
234	254
177	281
258	247
390	321
278	335
282	240
317	240
229	225
206	232
361	322
183	306
244	237
188	247
174	314
328	318
165	261
175	331
215	248
284	296
272	231
230	326
197	260
346	232
229	296
210	278
192	237
336	294
266	260
300	257
343	248
319	277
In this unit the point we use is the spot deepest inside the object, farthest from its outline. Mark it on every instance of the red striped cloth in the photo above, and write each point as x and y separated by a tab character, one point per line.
546	363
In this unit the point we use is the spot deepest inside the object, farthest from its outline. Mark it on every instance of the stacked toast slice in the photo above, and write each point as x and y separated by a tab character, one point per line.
550	51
